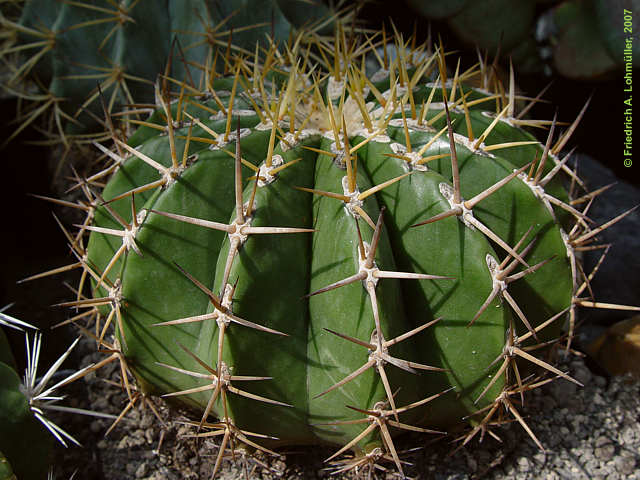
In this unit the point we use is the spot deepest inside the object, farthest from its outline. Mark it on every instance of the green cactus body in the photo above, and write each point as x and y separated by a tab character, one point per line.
275	305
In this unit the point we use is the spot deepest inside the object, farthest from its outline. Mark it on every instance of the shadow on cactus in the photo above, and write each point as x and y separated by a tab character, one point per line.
337	258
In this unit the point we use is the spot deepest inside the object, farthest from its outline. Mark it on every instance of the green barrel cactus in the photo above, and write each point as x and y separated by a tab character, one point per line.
304	254
74	50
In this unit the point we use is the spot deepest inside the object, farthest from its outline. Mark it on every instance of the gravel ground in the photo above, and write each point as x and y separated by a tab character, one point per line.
588	433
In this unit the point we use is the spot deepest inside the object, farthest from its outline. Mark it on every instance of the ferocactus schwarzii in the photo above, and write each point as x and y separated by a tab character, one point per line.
334	259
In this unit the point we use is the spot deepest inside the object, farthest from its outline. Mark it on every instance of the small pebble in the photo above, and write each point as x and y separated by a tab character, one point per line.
131	469
141	471
524	465
605	452
625	465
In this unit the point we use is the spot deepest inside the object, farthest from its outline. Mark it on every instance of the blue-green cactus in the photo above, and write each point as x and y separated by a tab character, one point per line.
74	51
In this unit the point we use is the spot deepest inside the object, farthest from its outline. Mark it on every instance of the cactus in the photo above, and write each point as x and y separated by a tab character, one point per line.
505	24
26	434
581	40
578	52
24	442
24	445
6	472
334	259
72	50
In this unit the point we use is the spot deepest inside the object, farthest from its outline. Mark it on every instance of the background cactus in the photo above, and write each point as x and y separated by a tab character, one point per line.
6	472
292	282
25	446
581	54
26	432
68	48
578	39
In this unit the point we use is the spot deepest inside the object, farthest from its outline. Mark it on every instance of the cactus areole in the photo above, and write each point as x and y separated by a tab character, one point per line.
310	258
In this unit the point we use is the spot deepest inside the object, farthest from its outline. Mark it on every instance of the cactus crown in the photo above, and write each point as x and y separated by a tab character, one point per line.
336	243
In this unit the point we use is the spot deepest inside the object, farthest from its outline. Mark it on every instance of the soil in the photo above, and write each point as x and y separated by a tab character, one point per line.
590	432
